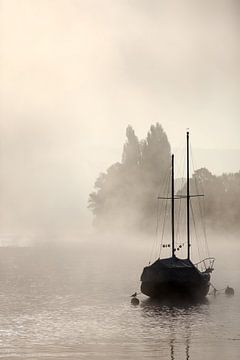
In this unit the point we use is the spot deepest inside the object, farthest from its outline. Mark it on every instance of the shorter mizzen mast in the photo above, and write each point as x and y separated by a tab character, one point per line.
172	198
188	201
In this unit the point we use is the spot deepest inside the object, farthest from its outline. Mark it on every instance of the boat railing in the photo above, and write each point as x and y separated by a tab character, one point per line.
206	265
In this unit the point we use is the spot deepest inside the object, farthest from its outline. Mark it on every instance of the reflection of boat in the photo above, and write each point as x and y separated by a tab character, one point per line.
174	323
174	277
187	349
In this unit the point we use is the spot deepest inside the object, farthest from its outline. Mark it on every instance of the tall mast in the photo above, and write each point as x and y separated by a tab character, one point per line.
188	200
173	244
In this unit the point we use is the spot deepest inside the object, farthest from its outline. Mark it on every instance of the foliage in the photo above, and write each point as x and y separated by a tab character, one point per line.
125	195
222	194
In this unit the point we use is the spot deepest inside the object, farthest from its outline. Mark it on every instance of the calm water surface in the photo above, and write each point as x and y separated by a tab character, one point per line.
70	303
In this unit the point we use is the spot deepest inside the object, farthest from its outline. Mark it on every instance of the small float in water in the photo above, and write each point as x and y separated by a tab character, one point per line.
134	299
229	291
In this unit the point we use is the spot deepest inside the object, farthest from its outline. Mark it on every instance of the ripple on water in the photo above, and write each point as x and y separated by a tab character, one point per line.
72	312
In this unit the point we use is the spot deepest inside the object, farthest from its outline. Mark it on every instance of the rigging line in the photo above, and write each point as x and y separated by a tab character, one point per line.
163	229
178	220
157	225
164	218
164	208
194	224
202	218
178	209
180	205
205	230
159	211
201	209
180	154
179	171
155	237
195	179
165	190
200	243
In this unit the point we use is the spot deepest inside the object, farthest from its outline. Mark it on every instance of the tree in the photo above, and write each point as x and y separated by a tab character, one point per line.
131	151
156	154
155	164
126	194
222	208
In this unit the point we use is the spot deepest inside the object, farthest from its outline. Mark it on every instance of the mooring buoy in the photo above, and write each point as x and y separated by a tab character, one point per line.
135	301
229	291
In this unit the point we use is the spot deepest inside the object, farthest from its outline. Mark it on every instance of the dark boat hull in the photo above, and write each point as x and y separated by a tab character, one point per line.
174	290
174	278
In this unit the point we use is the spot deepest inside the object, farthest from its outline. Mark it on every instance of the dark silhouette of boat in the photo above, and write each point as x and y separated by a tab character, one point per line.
174	277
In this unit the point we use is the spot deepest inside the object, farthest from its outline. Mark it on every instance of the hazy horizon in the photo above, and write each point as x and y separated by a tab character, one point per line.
74	74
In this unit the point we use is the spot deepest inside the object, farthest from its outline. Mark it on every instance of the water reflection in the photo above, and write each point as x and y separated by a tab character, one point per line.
155	308
56	306
174	355
172	349
187	348
174	304
173	322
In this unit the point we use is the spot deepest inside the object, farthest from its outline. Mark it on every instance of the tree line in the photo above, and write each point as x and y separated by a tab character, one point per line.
125	196
222	198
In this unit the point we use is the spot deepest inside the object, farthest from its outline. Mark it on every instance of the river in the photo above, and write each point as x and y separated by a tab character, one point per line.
73	302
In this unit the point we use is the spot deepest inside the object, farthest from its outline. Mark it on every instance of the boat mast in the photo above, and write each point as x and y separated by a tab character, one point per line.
173	244
188	200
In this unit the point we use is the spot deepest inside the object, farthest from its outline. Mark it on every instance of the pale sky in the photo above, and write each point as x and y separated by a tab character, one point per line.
75	73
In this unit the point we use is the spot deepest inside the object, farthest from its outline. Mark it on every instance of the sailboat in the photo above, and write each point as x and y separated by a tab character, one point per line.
174	277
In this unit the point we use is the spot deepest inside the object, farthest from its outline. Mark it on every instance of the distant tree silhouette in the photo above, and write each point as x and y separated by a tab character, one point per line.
156	155
155	164
126	194
107	197
222	195
131	151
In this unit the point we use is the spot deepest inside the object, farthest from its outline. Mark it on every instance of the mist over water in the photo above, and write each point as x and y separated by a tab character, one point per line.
73	302
74	74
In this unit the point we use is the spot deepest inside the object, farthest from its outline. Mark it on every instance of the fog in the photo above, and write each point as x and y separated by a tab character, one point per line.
75	73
